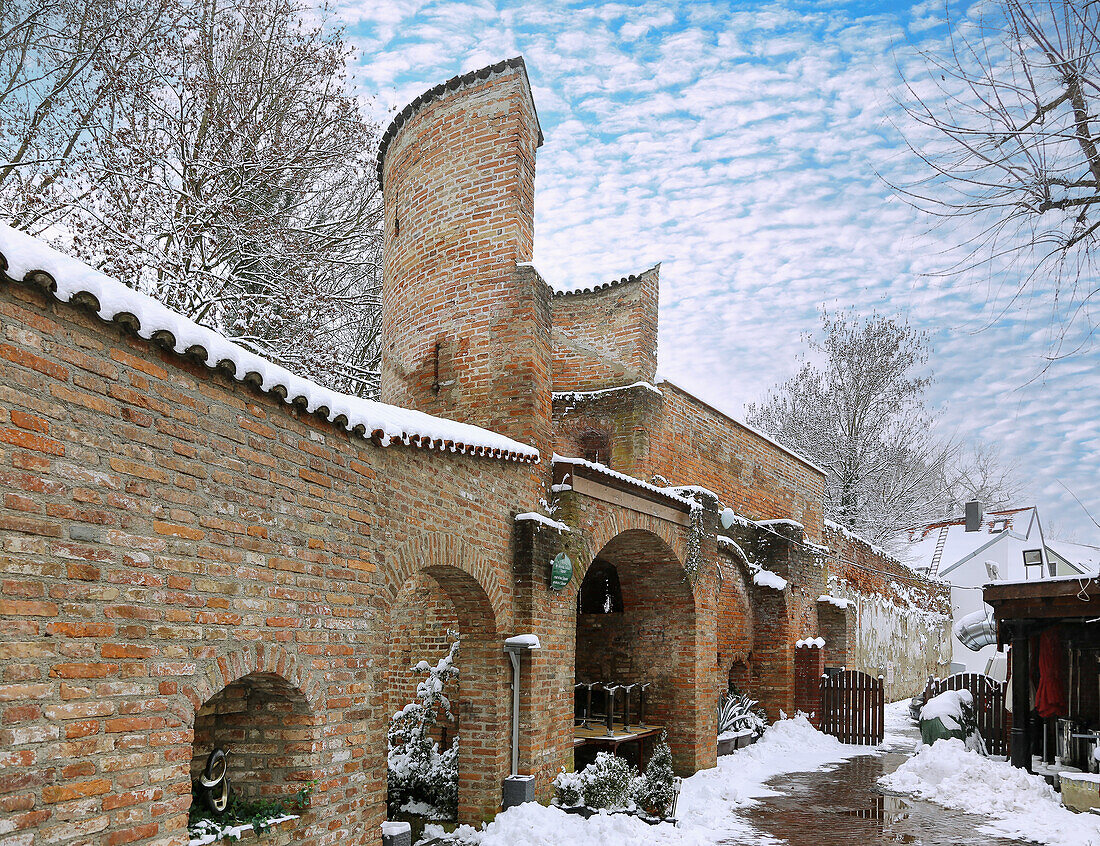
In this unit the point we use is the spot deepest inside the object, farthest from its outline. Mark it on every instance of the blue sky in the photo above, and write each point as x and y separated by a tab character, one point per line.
738	145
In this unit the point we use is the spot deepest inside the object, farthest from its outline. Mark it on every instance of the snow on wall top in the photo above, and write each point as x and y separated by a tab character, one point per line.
27	259
579	395
622	477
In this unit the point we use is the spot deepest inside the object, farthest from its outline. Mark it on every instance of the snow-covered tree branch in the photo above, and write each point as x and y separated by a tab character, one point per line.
208	152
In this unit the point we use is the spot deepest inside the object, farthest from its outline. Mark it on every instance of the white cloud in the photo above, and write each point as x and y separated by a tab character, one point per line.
739	145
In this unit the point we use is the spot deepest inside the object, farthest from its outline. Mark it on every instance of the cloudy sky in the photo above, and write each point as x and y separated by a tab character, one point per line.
738	145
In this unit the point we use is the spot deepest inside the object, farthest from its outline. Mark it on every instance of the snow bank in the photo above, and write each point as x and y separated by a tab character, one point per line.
708	805
390	424
1021	806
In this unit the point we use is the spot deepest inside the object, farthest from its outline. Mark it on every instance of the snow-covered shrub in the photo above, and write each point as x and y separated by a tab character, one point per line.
418	771
737	712
569	789
655	792
605	783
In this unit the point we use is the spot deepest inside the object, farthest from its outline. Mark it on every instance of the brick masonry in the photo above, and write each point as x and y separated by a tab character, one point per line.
185	559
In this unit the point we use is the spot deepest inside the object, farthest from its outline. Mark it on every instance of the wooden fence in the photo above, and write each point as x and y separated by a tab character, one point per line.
989	706
852	707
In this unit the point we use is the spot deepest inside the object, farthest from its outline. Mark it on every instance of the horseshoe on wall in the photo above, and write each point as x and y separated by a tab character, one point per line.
214	780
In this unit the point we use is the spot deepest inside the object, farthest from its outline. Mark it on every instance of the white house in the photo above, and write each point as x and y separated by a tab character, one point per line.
1006	545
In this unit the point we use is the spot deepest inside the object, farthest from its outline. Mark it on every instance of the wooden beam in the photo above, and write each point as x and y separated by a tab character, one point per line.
607	493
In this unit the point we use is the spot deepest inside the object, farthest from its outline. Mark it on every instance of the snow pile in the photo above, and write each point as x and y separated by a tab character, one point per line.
766	578
707	808
204	831
1021	806
390	424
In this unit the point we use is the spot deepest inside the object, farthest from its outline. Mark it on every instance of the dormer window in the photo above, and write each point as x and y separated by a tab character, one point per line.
999	525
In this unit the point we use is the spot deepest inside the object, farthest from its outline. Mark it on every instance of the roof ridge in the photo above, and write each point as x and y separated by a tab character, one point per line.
603	286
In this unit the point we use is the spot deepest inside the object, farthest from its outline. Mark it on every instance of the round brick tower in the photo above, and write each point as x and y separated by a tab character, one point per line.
466	330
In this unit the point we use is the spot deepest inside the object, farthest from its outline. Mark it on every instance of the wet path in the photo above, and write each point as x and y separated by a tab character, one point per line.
846	807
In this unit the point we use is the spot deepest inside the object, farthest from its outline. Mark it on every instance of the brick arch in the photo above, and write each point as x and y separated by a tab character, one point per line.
734	596
616	522
231	666
443	556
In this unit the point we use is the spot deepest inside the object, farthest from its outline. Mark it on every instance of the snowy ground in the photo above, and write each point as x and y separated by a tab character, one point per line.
1018	805
710	802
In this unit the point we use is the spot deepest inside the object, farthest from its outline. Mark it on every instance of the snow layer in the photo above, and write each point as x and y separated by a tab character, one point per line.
766	578
838	601
708	805
535	517
390	424
580	395
1020	806
527	641
622	477
810	643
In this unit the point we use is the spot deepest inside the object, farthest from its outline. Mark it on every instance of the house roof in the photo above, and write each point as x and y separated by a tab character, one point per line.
26	259
1084	555
960	545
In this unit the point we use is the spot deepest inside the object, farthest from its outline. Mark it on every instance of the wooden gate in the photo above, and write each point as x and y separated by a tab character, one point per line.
852	707
989	706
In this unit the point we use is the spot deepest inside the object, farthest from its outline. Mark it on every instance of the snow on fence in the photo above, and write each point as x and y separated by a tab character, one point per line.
989	706
853	707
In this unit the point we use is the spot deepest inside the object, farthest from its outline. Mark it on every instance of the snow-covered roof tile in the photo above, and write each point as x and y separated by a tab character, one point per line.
26	259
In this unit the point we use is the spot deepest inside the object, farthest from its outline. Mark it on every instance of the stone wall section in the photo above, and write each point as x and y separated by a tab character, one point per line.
899	625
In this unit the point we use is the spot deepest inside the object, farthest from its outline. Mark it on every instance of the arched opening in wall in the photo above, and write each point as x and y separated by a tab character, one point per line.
272	739
635	627
735	628
447	738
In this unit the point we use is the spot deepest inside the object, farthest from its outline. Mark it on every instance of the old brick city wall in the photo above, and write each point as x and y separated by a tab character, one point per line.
189	560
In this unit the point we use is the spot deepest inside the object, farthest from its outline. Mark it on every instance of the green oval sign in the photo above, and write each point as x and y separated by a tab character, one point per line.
561	571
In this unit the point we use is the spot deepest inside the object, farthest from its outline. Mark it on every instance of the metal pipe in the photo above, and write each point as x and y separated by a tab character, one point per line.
514	656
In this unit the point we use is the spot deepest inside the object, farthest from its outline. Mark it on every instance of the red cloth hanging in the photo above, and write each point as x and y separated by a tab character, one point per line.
1050	697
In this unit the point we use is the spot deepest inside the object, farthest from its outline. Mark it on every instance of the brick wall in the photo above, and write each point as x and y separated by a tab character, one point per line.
467	334
167	531
608	336
678	437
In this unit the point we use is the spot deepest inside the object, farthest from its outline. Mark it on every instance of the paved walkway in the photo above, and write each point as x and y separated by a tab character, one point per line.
846	807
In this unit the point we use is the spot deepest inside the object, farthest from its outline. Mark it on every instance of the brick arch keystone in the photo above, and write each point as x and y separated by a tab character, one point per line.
443	550
229	667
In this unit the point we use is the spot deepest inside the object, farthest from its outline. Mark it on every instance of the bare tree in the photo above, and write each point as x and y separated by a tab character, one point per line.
1006	125
228	173
65	66
860	415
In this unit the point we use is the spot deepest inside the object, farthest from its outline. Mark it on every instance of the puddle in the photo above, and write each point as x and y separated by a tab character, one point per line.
845	806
